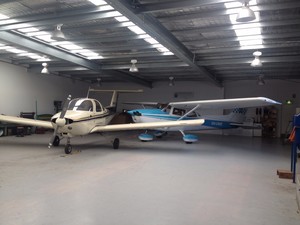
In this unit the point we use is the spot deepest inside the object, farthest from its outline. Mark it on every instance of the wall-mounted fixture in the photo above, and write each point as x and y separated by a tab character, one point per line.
99	82
45	69
245	14
171	81
260	80
256	61
133	67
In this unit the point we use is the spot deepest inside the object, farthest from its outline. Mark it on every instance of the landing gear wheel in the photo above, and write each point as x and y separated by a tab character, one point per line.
56	141
116	143
68	149
188	142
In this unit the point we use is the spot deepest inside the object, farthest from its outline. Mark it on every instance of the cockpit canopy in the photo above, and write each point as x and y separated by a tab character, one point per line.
83	104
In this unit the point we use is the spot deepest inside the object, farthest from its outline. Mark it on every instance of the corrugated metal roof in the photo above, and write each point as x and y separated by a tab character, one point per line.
200	37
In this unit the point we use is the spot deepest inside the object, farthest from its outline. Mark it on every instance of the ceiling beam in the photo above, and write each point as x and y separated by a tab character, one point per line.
224	12
60	54
163	6
53	19
163	36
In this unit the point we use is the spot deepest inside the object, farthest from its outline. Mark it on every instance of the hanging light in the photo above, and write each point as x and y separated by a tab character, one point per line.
133	67
57	34
260	80
171	81
45	69
245	14
256	61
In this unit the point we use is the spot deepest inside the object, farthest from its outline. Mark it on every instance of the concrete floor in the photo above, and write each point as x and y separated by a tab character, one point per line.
219	180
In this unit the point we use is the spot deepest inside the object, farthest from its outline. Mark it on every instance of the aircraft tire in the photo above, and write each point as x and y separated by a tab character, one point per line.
68	149
56	141
116	143
187	142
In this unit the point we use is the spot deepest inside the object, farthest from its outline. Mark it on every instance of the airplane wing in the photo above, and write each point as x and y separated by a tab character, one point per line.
227	103
150	125
24	121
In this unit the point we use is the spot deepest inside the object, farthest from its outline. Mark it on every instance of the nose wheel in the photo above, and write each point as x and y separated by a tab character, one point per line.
68	147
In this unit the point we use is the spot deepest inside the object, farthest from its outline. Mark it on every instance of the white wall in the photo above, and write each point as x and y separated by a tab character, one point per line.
19	90
278	90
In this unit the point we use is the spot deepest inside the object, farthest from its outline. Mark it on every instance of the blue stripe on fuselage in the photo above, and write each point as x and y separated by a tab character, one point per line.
159	114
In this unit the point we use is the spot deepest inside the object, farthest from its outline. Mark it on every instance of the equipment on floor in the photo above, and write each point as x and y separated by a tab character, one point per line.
82	116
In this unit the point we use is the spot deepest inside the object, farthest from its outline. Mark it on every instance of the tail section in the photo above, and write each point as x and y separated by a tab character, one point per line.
237	115
115	93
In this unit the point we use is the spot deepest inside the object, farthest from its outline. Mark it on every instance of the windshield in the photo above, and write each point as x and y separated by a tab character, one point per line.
81	105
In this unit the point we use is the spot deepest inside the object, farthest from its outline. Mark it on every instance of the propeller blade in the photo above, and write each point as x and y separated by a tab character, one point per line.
53	137
62	115
65	107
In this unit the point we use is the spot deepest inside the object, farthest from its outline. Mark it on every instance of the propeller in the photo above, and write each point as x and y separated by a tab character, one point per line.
60	121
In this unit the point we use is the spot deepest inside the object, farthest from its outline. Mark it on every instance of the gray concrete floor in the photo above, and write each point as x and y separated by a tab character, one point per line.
219	180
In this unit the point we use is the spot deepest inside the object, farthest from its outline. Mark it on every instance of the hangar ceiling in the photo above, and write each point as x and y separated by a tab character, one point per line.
191	40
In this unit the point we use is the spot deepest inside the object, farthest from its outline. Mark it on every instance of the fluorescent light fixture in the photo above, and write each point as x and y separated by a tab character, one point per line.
251	42
248	32
151	40
95	57
70	46
2	22
168	53
98	2
43	59
28	30
37	33
14	50
46	38
3	17
121	18
136	30
5	47
128	24
89	54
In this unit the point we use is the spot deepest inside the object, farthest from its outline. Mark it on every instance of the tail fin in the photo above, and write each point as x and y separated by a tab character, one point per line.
114	98
237	115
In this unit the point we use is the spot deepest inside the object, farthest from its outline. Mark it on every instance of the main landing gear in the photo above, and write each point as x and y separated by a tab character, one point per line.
68	146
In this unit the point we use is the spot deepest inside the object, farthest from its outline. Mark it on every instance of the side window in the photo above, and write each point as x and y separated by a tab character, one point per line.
98	107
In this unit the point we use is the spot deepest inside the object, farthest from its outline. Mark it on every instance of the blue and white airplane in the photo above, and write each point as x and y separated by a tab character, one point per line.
187	110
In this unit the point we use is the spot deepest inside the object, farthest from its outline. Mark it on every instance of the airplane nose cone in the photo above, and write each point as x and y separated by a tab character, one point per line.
60	122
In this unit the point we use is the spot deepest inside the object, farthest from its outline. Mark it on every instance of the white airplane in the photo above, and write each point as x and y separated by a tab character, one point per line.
82	116
186	111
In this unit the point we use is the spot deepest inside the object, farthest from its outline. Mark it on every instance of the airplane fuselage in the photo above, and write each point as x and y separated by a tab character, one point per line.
81	117
158	115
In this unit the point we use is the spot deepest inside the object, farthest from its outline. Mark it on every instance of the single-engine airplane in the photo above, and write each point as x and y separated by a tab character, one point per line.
186	111
82	116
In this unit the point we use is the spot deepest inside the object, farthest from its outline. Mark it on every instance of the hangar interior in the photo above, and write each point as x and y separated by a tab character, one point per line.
183	51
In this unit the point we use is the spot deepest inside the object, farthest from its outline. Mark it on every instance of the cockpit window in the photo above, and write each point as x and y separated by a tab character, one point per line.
98	106
80	105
